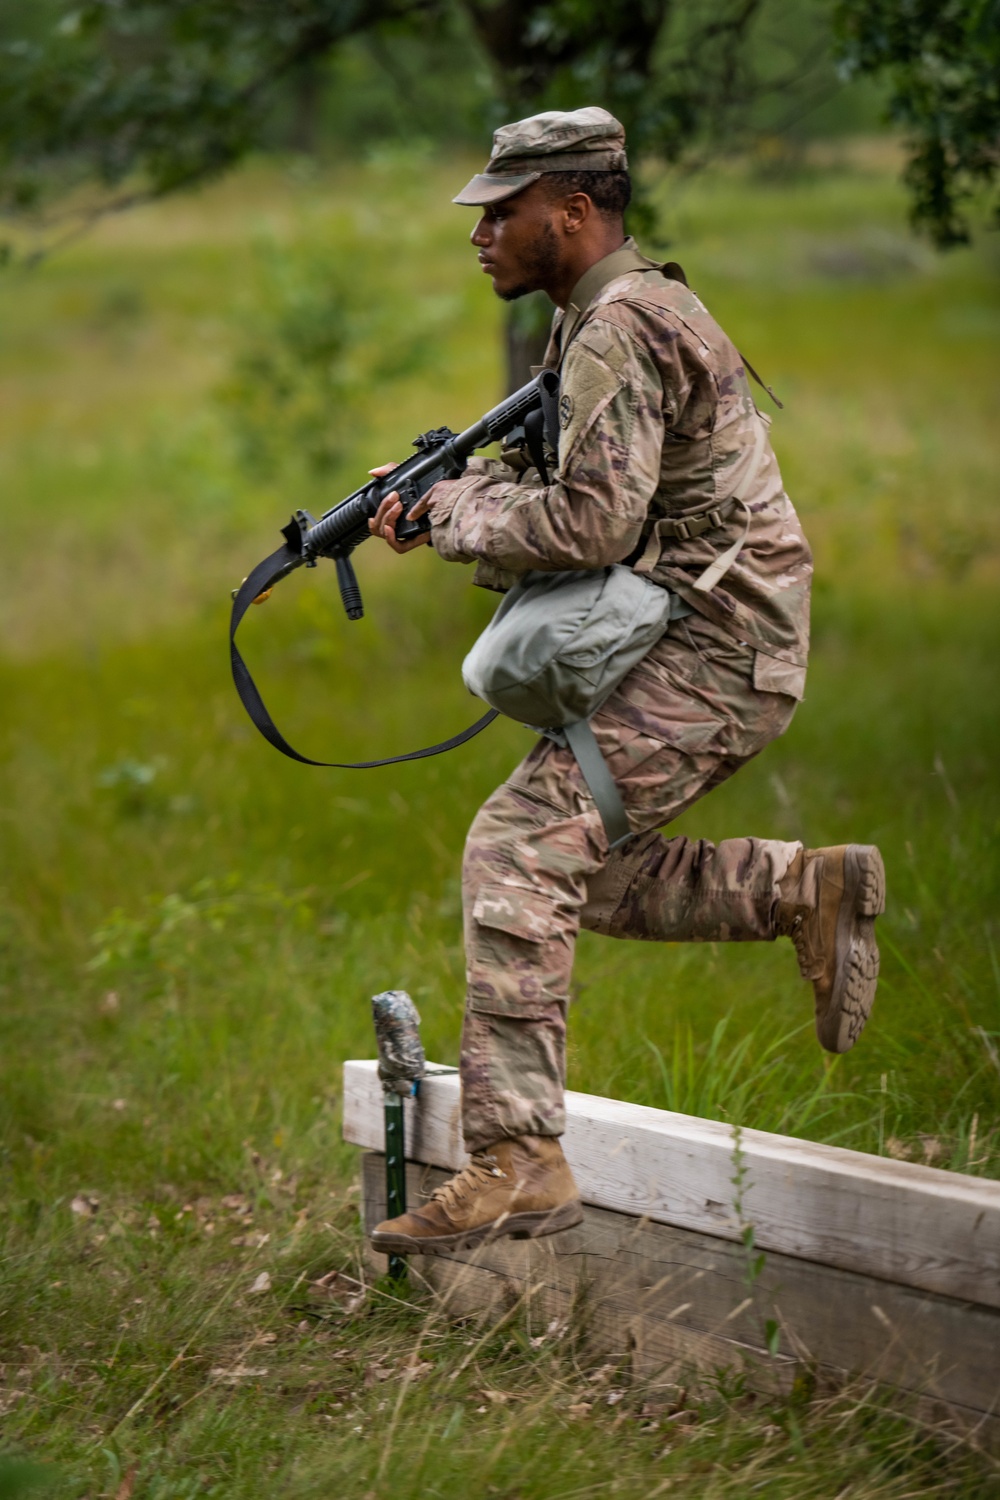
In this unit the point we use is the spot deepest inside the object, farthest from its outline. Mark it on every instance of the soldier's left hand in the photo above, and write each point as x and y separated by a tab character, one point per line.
383	523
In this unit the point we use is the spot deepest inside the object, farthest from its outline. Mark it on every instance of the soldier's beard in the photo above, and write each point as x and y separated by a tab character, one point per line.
539	266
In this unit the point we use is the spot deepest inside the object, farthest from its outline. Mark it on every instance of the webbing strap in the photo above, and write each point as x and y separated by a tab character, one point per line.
685	527
594	768
261	579
707	580
619	263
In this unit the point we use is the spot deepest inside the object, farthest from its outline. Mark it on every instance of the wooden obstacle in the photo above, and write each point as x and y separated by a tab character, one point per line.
872	1267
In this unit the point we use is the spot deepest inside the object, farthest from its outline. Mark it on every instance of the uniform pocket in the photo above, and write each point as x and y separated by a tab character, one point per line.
514	909
515	946
773	676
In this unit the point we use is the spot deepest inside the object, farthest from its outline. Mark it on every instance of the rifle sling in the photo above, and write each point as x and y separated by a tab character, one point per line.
262	577
534	435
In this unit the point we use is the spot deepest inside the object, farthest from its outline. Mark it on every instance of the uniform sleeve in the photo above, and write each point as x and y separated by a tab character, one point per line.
611	434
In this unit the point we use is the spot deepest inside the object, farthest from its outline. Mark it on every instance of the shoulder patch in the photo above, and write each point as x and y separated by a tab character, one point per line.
589	385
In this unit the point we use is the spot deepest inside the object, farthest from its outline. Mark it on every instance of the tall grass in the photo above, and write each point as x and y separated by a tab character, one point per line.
190	927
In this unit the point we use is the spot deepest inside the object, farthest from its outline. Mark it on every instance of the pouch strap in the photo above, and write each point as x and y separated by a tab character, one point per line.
706	581
594	768
686	527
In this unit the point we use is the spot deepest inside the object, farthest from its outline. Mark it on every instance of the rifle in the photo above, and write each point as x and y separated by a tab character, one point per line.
441	454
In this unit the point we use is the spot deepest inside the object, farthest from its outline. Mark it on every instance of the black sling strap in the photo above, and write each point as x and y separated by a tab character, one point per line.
534	435
261	579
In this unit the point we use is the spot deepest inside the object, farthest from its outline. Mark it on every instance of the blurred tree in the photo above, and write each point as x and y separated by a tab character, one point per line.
139	98
316	341
942	62
115	101
121	100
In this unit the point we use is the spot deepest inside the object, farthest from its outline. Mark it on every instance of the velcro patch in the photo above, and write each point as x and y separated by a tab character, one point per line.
592	385
597	338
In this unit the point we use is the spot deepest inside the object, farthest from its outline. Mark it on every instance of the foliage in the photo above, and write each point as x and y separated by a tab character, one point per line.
123	102
191	1382
754	1261
168	929
172	90
674	74
942	61
145	99
319	342
18	1478
721	1081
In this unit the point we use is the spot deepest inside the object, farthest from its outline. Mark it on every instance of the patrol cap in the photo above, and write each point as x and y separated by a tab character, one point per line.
577	140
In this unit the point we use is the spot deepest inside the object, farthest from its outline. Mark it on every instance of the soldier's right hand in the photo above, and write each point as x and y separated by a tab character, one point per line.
383	523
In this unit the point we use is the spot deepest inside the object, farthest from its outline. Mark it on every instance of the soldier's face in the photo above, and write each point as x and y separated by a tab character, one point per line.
519	247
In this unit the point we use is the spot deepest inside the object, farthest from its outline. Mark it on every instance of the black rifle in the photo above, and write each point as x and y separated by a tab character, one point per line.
441	454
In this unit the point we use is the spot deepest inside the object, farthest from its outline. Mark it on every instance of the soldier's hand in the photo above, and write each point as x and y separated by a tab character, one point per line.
383	523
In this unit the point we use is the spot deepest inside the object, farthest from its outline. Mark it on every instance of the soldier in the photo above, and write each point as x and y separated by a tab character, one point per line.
658	437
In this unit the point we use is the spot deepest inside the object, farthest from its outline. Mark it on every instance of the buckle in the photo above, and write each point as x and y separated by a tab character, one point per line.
686	528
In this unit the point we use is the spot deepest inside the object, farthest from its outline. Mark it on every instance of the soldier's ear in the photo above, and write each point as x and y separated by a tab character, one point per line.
577	209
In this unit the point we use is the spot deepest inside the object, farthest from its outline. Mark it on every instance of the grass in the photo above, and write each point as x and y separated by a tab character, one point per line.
190	927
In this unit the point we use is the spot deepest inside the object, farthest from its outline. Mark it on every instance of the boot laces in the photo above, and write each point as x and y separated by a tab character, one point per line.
475	1175
798	937
806	939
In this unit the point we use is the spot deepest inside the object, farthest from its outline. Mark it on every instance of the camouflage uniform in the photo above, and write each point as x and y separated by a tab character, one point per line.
656	424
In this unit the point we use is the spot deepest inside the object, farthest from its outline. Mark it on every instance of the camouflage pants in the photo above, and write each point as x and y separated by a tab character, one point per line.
537	867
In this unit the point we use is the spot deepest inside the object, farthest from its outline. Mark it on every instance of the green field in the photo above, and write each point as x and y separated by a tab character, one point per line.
190	926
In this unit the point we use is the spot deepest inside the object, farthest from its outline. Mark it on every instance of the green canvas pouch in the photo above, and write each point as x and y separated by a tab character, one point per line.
556	649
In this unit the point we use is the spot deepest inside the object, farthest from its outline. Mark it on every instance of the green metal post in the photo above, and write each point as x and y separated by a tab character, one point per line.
395	1172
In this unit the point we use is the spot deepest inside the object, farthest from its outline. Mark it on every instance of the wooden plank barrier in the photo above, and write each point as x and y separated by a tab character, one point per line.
873	1267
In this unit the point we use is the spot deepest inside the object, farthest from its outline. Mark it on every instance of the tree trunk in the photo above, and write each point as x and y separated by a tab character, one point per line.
526	333
307	100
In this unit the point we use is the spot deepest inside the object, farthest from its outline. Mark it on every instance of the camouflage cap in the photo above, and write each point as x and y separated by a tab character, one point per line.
578	140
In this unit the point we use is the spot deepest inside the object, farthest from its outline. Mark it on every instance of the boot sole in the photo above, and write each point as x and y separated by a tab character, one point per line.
524	1226
856	978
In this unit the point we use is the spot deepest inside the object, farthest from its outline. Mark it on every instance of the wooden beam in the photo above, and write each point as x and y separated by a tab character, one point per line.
908	1225
666	1300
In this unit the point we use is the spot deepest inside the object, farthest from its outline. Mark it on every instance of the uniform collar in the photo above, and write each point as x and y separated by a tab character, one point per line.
593	281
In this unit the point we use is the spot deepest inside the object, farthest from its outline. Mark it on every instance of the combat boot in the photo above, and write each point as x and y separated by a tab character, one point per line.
828	902
521	1187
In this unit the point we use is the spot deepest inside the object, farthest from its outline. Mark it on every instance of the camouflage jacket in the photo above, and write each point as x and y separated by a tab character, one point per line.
656	421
